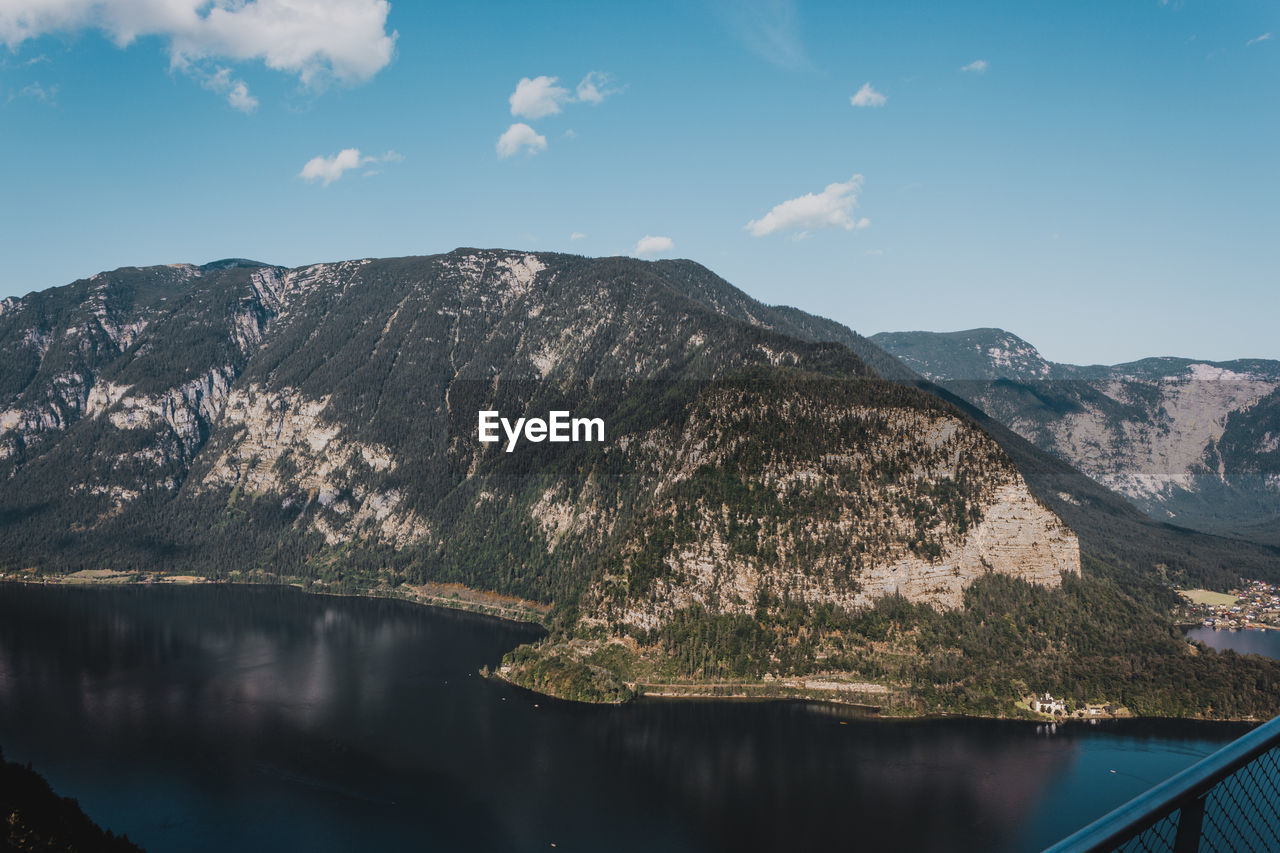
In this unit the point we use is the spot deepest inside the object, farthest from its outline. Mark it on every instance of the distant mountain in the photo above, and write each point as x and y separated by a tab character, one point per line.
775	495
1193	442
978	354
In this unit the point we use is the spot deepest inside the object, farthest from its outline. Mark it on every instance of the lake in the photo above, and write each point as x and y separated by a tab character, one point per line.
221	717
1256	641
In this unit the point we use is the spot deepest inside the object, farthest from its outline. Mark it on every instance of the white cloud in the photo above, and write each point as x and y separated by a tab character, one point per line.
830	208
868	97
538	97
237	91
577	235
26	63
1253	41
595	87
318	41
520	136
875	253
329	169
648	245
240	99
37	92
978	66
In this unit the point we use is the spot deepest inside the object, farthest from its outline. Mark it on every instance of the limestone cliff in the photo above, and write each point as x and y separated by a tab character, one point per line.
1187	441
802	492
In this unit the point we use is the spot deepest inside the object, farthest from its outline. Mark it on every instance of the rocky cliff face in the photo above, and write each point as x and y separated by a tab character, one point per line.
112	385
878	500
1017	537
1186	441
279	444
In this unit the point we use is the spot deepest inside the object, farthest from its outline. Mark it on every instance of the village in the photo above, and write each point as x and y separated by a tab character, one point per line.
1256	605
1059	708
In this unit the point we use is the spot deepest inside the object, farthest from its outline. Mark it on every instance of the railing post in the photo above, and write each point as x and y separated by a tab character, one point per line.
1190	820
1185	795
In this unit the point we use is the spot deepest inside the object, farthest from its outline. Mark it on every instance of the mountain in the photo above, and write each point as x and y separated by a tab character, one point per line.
349	393
774	498
1196	443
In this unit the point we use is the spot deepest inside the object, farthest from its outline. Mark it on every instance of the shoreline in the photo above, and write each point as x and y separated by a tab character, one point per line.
512	615
479	602
875	712
495	606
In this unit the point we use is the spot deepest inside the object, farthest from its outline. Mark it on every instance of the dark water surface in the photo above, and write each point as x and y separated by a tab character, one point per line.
1247	641
217	718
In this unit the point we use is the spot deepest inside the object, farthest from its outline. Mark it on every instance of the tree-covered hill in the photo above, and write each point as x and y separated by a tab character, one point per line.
769	480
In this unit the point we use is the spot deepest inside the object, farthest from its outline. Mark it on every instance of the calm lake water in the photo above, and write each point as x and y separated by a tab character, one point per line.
1248	641
215	718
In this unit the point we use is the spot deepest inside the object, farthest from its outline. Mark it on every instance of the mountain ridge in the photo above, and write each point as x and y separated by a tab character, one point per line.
316	425
1185	440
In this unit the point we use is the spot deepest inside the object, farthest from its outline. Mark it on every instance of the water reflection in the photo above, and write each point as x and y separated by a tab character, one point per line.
212	717
1248	641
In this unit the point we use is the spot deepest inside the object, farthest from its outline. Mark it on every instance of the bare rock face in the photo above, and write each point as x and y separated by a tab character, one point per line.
280	445
185	410
138	352
894	501
1188	442
1017	536
1164	443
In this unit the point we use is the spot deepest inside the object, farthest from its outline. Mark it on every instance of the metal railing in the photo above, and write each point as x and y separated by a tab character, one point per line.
1229	801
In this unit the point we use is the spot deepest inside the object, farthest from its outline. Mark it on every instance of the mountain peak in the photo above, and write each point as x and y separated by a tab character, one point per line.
231	264
984	354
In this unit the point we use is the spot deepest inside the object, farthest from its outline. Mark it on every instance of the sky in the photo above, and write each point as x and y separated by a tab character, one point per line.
1100	178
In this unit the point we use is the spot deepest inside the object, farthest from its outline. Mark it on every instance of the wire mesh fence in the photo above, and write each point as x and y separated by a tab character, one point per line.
1157	838
1227	803
1240	812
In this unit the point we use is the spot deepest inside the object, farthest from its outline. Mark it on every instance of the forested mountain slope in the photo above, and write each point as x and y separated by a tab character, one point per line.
761	493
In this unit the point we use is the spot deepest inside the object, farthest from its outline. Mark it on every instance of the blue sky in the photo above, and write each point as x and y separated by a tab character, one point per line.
1103	181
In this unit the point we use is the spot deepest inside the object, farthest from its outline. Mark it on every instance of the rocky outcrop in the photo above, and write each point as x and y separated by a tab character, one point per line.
1017	537
1162	446
1186	441
129	350
896	502
188	410
278	443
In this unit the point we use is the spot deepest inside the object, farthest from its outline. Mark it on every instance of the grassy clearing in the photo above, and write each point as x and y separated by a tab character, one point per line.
97	576
1204	596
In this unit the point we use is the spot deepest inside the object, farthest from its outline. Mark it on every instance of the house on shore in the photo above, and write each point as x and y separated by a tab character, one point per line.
1046	704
